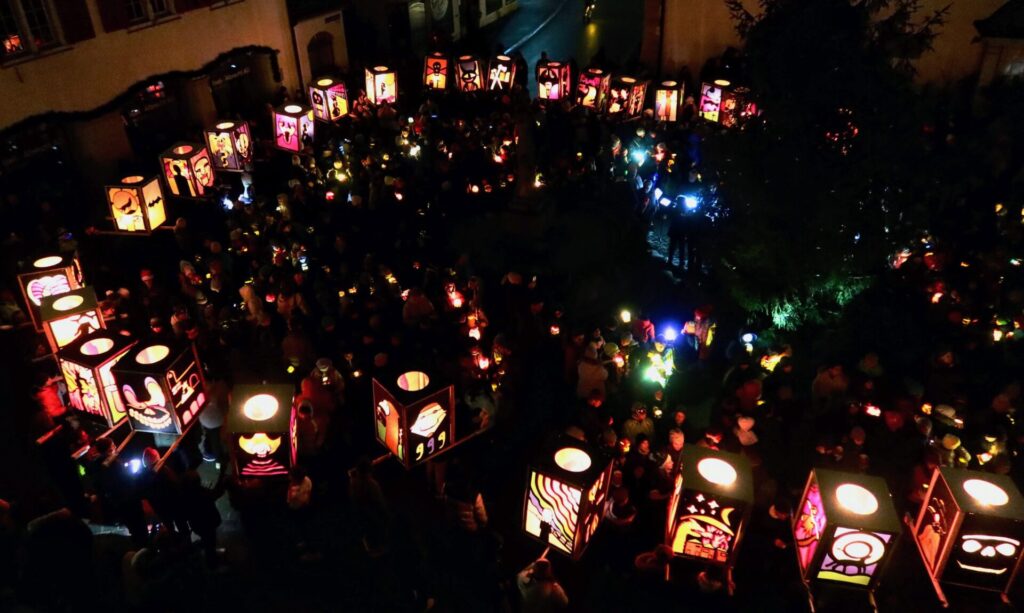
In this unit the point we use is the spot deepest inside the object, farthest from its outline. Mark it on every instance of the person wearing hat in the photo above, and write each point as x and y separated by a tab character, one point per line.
540	591
952	453
638	424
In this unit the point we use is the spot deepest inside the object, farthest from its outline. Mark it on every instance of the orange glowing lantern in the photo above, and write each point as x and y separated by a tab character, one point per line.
137	204
329	100
86	365
626	96
263	430
48	276
592	89
666	100
293	127
502	74
188	170
161	386
736	107
553	80
230	144
70	315
414	416
469	74
565	495
381	85
435	71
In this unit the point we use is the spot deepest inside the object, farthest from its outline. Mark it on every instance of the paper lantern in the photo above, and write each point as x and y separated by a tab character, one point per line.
230	144
293	127
502	74
736	107
70	315
329	100
592	89
188	170
710	101
161	386
565	495
381	85
626	96
262	427
414	416
48	276
137	204
469	74
86	365
970	530
553	80
435	71
707	512
666	100
844	529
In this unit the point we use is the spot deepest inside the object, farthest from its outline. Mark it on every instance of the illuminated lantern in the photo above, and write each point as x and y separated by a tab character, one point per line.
565	495
230	145
137	204
592	89
469	74
970	530
293	127
161	386
329	100
736	107
435	71
381	85
844	529
502	74
188	170
48	276
553	80
626	96
666	100
86	365
414	416
262	427
709	506
711	100
70	315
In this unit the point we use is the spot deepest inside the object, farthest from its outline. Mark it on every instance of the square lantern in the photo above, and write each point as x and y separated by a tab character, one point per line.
845	528
48	276
381	85
666	100
230	144
70	315
414	416
711	100
435	71
707	512
86	365
137	204
970	529
565	495
553	80
502	74
329	100
161	385
469	73
592	89
626	96
293	127
262	427
736	107
188	170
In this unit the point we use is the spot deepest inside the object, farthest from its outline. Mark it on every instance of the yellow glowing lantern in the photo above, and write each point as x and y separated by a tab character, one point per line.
553	80
262	427
469	74
68	316
667	98
381	85
86	365
137	204
626	96
230	145
329	99
48	276
414	416
502	73
188	170
435	71
161	386
592	89
293	127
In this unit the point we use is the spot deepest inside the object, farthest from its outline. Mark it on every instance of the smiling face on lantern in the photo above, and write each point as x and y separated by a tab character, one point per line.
126	208
987	555
204	171
242	144
149	409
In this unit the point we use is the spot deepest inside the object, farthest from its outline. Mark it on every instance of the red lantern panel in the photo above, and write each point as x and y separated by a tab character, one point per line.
188	170
469	73
592	90
435	71
627	96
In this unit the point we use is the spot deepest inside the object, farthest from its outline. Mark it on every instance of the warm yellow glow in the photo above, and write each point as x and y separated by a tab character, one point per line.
48	261
97	346
723	82
413	381
625	316
381	68
572	459
260	407
66	303
152	354
429	420
132	179
986	492
182	150
225	125
259	444
856	499
717	471
504	58
293	108
325	82
669	84
628	80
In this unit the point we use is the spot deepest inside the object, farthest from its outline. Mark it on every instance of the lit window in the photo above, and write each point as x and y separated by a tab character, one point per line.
26	26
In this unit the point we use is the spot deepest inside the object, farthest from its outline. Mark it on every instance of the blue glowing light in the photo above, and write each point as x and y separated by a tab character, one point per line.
134	466
639	156
670	334
665	202
690	202
748	338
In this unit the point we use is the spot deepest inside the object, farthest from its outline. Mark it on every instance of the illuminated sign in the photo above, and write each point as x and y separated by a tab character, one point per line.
592	89
469	74
435	71
70	315
414	416
161	386
86	366
262	426
293	127
381	85
329	100
230	145
137	204
188	170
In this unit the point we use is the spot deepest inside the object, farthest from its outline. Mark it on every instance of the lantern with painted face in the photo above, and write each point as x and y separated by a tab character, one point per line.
970	529
230	144
293	127
435	71
414	415
329	100
711	100
502	74
844	528
553	79
188	170
87	365
709	506
381	85
565	495
666	100
262	427
626	97
161	386
137	204
592	90
48	276
68	316
469	74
